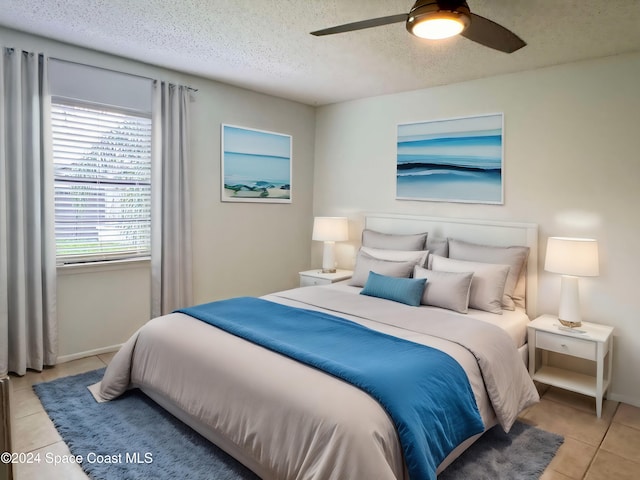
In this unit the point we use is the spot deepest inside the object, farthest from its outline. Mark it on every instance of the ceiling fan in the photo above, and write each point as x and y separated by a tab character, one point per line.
434	20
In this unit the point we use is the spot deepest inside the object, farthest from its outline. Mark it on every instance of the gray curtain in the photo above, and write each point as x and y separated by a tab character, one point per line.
171	281
28	328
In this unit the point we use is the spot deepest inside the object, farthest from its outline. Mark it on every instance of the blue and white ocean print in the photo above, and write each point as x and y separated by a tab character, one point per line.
458	160
256	165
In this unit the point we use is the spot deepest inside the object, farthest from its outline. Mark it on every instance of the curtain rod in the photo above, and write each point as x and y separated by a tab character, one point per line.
115	71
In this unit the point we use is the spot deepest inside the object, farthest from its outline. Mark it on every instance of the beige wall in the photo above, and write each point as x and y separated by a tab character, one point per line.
238	249
572	165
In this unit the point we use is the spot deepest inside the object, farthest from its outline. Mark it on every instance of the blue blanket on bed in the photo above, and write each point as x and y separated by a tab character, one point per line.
424	391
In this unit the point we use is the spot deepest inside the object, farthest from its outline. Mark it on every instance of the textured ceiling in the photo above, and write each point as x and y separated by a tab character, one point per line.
264	45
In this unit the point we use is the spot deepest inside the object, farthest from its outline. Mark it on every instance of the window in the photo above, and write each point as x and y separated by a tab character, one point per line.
102	171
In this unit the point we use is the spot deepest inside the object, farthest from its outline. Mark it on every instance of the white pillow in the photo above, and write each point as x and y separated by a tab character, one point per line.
448	290
514	256
487	285
418	256
366	263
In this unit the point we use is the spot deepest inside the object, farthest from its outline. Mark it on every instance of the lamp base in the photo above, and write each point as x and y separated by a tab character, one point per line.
328	258
569	311
570	324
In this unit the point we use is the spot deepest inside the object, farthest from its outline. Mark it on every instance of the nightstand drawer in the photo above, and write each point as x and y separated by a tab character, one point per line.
311	281
310	278
564	344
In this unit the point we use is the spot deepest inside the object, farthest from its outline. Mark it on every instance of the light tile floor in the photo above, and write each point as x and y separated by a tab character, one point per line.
594	448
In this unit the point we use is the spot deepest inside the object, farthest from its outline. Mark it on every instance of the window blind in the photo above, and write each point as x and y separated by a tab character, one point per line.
102	172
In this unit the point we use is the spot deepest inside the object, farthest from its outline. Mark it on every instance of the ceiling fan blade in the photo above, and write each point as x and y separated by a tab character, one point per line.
372	22
490	34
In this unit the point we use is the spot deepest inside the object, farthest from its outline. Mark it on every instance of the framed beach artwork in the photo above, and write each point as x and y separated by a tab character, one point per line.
454	160
256	165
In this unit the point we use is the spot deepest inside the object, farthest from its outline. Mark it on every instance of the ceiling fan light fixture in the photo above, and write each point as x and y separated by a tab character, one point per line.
437	28
428	20
437	19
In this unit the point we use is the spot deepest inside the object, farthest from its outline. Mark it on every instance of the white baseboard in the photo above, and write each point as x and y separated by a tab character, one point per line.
88	353
623	399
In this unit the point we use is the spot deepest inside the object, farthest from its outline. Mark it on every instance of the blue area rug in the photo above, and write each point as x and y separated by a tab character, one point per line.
522	454
142	441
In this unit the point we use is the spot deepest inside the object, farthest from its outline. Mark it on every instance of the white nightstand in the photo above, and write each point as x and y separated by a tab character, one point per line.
590	341
316	277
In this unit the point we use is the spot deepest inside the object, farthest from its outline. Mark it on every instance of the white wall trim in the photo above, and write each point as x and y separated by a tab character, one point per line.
99	267
88	353
623	399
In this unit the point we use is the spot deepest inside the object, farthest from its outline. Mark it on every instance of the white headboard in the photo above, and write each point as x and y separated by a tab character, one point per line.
488	232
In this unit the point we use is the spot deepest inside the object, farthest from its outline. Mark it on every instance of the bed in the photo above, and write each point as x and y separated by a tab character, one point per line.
287	419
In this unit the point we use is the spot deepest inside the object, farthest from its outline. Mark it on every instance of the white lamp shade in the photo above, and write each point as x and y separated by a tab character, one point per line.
572	256
330	229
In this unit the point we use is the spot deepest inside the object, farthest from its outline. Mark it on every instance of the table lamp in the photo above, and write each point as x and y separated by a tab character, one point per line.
572	258
330	230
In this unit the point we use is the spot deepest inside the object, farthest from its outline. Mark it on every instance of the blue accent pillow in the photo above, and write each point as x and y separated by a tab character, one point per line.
404	290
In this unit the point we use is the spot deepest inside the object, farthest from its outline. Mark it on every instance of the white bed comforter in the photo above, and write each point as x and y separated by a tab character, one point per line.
285	420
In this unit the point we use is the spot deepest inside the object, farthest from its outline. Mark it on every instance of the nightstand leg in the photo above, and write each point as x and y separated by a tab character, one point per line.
599	379
532	351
